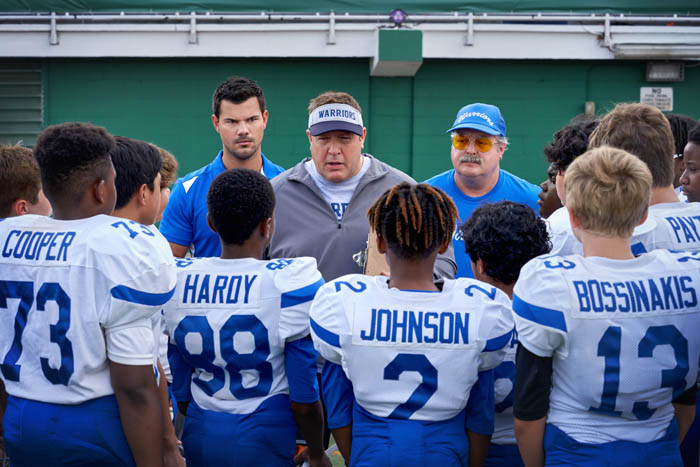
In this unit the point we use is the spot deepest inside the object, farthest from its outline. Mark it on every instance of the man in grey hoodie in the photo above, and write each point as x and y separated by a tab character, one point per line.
322	201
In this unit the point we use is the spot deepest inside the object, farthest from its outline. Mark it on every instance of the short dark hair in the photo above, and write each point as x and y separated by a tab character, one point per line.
136	163
643	131
70	155
238	201
694	135
681	125
237	89
19	177
414	219
569	142
505	236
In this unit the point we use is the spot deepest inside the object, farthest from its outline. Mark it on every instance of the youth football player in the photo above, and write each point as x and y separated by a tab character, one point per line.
79	292
244	368
21	194
690	180
138	182
500	238
21	184
613	336
644	131
411	349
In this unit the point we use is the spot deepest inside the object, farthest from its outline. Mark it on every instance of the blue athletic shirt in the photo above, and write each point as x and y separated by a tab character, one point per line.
508	188
185	217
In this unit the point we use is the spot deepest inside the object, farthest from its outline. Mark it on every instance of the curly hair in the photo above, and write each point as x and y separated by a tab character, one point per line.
414	219
70	156
136	163
569	142
237	90
238	201
505	236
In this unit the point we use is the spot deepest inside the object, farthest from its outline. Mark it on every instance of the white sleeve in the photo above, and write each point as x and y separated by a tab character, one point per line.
298	284
496	326
539	296
127	319
328	323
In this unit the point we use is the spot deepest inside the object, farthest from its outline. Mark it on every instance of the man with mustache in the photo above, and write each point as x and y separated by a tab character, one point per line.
478	143
240	118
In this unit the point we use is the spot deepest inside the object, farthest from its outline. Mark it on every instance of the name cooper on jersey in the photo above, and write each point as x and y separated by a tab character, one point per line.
37	245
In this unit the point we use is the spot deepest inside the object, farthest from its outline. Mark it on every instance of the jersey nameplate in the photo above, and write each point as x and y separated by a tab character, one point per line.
389	326
648	296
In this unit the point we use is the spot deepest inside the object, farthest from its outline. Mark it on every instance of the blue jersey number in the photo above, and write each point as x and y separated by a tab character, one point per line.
421	364
48	292
609	347
235	362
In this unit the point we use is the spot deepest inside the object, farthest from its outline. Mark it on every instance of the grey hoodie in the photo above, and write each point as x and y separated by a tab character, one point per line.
305	224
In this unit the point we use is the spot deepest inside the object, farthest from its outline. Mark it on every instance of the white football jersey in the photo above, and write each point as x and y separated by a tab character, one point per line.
560	234
411	354
504	380
75	294
230	320
674	226
623	337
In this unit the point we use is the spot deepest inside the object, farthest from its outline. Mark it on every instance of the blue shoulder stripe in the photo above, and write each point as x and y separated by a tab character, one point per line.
303	295
544	316
497	343
128	294
638	248
327	336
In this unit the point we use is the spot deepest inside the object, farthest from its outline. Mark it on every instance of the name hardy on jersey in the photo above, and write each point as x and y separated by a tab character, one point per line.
37	245
686	226
662	293
417	327
205	288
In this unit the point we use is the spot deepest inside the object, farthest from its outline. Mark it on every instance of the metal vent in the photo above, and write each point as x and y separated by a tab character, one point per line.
20	102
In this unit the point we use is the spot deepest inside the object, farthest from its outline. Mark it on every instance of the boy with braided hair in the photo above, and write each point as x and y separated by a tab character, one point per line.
411	348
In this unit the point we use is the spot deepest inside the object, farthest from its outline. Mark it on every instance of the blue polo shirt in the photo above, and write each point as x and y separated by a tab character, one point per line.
508	188
185	217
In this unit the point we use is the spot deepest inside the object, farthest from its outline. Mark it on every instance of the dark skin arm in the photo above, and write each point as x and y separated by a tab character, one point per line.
309	418
478	448
343	438
171	452
139	409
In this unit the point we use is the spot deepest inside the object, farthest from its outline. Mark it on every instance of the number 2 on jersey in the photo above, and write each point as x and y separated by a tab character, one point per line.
48	292
235	362
412	362
609	347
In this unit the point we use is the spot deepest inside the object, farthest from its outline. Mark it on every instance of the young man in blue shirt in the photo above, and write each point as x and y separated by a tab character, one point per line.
240	118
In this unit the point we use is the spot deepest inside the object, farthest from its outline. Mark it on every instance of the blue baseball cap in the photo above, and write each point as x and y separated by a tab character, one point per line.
481	117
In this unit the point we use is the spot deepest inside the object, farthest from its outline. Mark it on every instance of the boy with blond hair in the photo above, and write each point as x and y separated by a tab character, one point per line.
609	333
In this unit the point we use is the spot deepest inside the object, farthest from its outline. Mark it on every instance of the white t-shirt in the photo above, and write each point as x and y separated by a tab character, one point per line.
339	194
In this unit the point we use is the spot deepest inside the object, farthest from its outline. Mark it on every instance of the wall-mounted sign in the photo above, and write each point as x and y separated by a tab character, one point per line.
661	98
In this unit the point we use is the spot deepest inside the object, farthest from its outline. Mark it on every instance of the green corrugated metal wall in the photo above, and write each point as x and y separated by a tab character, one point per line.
167	101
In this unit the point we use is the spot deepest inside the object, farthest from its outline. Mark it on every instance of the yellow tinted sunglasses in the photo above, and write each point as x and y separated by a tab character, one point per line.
482	143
